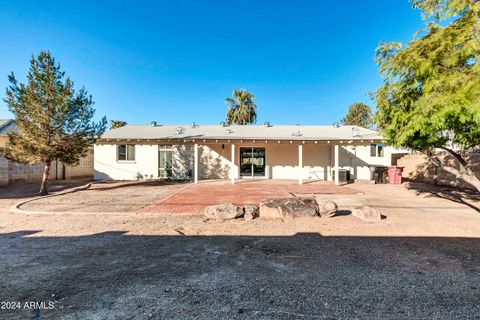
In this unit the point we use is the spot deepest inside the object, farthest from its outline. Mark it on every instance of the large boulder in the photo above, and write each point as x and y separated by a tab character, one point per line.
250	212
289	207
224	211
327	208
367	214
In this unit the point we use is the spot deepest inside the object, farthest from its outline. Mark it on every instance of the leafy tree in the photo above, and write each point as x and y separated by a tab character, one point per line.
114	124
359	114
54	121
431	93
242	110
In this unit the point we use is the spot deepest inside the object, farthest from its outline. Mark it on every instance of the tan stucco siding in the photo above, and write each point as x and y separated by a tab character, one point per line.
283	162
3	141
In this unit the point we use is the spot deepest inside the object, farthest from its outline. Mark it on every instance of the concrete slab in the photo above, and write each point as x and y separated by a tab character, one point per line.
193	199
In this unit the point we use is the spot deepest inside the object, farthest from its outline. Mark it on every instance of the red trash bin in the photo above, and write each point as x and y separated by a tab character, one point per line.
395	174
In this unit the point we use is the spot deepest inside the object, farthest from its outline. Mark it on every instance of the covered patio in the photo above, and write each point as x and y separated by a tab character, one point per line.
257	154
193	199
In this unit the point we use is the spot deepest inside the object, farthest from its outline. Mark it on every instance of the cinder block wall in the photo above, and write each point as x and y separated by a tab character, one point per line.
418	168
11	171
19	172
3	170
83	170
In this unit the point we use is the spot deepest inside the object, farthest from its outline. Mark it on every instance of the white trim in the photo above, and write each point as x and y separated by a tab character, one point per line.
232	164
195	163
336	155
300	163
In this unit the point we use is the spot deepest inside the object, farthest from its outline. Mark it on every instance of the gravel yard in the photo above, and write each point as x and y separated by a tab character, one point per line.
422	261
109	196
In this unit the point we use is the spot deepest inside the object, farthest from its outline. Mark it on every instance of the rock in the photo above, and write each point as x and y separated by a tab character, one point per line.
251	212
367	214
327	208
224	211
289	207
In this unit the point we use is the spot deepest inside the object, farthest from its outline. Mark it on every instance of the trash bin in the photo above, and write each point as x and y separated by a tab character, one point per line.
378	173
395	174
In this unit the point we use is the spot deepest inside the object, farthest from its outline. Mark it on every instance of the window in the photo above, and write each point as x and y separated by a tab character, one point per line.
126	152
377	150
380	150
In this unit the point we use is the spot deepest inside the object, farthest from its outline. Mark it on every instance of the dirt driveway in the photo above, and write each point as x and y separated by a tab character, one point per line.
423	261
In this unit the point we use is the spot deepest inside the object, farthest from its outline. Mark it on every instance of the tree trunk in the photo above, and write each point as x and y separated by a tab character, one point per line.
46	174
465	173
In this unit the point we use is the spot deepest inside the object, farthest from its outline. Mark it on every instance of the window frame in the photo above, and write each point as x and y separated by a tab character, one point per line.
127	153
377	150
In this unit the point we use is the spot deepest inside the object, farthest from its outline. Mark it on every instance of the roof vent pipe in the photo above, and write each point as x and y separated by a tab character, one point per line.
336	125
356	132
153	123
223	124
267	124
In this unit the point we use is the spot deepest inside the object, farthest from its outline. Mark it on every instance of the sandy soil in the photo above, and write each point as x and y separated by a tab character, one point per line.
108	196
422	261
409	209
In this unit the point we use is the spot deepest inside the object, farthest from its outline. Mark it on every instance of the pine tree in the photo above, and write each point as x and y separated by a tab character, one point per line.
54	120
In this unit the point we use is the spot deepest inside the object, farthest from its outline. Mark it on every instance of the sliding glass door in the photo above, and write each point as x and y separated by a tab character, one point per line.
252	162
164	161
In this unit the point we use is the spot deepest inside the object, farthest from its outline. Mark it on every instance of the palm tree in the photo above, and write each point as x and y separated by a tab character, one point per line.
242	110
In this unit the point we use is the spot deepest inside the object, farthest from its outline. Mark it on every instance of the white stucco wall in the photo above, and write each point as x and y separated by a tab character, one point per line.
357	159
281	161
106	166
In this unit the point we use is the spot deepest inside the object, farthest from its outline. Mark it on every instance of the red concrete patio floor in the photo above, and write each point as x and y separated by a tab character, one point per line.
193	199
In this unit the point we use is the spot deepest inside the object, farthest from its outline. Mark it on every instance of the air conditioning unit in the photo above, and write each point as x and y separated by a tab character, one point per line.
342	175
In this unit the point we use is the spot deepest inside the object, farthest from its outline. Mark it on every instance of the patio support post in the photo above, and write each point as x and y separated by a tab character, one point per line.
232	165
195	163
336	168
300	164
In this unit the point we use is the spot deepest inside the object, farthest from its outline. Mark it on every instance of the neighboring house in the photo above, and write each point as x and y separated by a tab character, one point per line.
11	171
6	125
137	152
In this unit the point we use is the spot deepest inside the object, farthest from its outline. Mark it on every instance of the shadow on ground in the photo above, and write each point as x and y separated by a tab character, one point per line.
111	185
462	196
116	275
20	190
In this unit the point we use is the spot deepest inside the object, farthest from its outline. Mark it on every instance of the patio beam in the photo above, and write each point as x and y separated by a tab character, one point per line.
232	165
300	164
336	155
195	162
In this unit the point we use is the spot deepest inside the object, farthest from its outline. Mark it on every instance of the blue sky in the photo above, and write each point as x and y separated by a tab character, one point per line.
176	61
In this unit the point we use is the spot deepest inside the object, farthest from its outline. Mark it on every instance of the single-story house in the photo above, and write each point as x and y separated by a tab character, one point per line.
136	152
